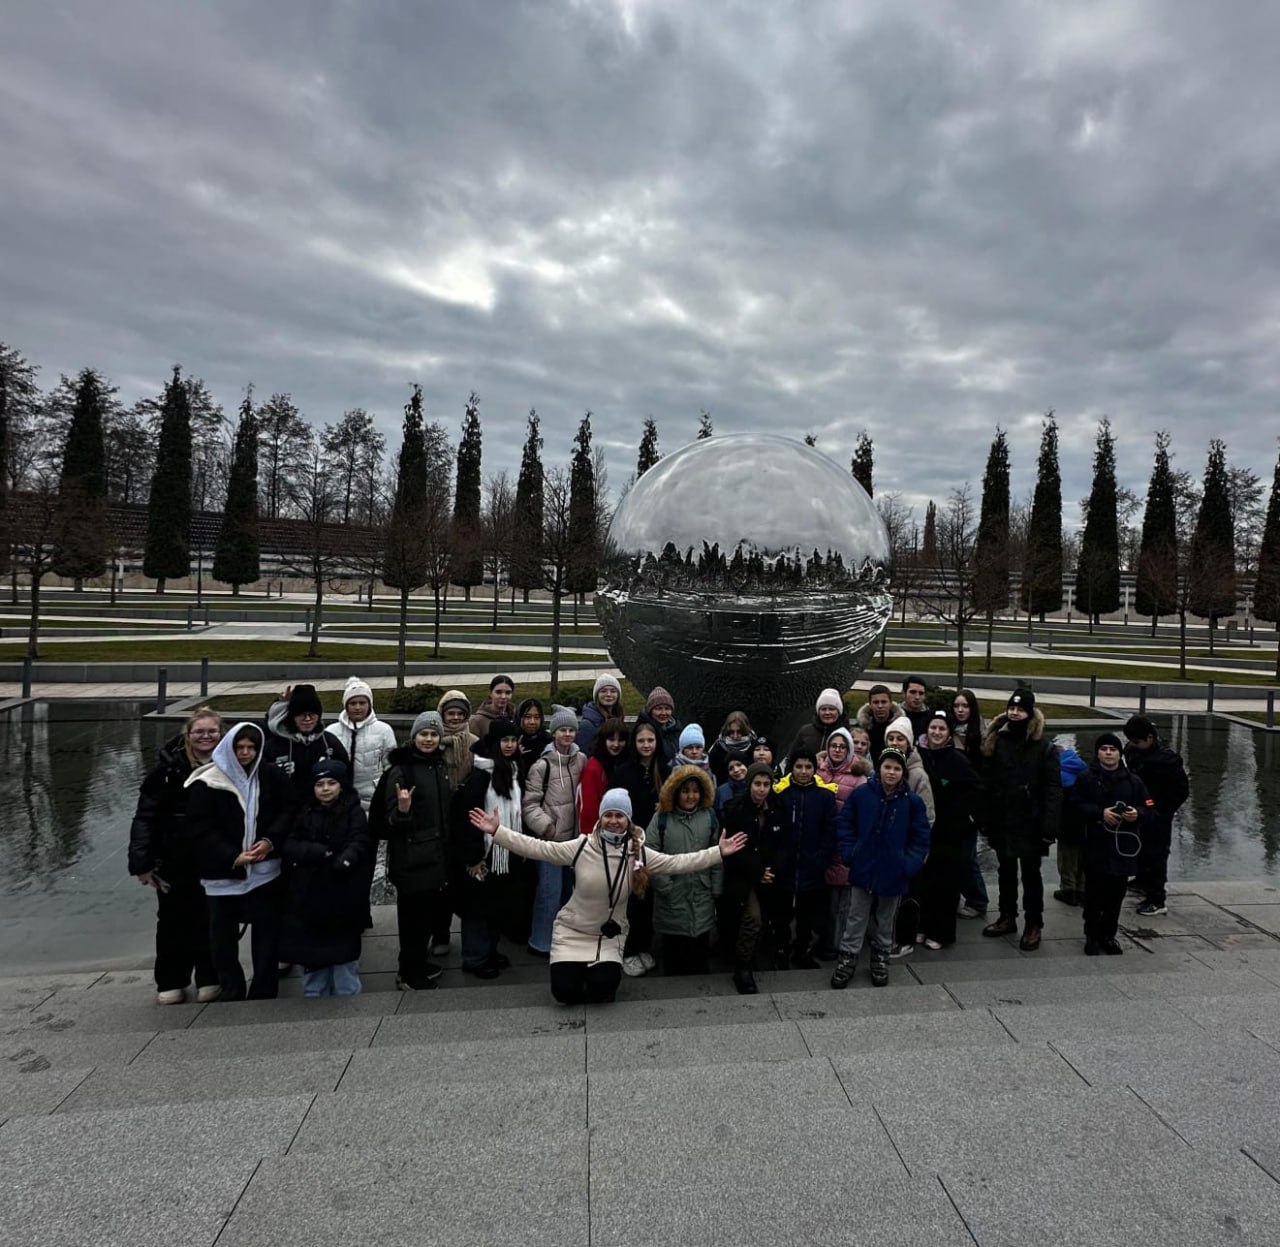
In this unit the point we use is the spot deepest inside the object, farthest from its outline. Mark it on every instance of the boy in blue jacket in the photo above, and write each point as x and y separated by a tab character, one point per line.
883	835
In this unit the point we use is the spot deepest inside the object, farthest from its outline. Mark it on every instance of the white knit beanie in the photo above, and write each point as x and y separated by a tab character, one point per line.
356	687
830	697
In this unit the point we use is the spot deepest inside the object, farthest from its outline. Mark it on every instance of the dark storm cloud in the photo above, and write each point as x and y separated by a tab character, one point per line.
923	220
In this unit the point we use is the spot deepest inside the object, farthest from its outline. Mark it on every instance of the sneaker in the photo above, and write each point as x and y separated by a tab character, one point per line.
1004	925
174	996
439	948
932	945
431	971
745	981
899	951
414	985
633	967
1065	896
1149	909
502	961
205	994
843	973
879	974
1112	948
968	911
649	960
485	970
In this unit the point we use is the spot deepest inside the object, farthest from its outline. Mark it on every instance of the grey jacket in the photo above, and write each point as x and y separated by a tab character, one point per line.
550	804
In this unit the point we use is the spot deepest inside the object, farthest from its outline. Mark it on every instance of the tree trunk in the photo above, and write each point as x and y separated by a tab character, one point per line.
1212	623
959	651
235	591
555	643
77	584
495	600
526	597
33	629
112	596
575	611
466	590
1182	645
160	585
513	599
1278	651
991	624
1155	619
402	633
313	650
13	580
435	649
884	645
369	604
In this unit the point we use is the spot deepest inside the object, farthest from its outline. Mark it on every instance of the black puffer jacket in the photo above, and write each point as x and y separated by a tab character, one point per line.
158	838
1163	774
1107	850
417	842
766	831
326	883
215	823
1024	787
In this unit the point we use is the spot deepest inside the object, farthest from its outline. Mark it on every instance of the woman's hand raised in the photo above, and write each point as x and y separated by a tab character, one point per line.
488	823
731	844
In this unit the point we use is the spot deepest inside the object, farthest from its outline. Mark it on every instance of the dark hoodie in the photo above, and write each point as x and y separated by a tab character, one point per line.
1111	850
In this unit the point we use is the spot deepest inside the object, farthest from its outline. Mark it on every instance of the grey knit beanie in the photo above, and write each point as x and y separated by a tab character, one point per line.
428	719
562	716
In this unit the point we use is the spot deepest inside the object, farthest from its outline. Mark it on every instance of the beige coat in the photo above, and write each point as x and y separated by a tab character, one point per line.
576	935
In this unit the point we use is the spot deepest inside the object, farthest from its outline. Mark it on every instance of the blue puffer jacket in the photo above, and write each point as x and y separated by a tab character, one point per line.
883	839
809	833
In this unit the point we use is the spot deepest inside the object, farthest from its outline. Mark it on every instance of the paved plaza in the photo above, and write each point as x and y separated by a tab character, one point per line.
987	1096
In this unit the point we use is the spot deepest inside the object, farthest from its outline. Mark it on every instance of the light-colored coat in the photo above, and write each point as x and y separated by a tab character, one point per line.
550	804
576	935
368	745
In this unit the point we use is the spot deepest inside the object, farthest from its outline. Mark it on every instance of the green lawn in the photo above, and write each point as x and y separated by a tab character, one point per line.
267	651
1081	668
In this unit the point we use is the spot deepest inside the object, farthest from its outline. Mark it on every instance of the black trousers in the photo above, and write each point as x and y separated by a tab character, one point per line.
686	954
418	920
261	910
1032	887
811	911
182	938
576	982
1103	898
1153	861
639	924
938	888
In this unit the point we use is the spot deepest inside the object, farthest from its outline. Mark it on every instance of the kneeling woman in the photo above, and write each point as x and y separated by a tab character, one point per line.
608	865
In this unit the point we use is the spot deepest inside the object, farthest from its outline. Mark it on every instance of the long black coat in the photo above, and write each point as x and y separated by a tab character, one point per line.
957	802
215	823
417	842
326	883
1023	788
495	897
158	837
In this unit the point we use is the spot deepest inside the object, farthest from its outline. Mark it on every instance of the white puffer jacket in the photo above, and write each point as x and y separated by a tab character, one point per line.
368	744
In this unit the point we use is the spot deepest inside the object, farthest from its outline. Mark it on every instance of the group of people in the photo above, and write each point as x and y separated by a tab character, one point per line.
608	846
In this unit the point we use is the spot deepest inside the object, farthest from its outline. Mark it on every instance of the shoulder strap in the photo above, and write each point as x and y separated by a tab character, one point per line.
662	831
581	849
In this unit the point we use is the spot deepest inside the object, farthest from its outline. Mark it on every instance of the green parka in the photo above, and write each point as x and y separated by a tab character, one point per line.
685	904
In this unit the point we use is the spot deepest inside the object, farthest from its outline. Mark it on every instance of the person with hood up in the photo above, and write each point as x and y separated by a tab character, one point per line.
502	691
957	794
607	867
642	773
609	748
486	882
410	811
1024	811
534	737
162	856
1070	889
326	894
367	740
660	712
550	810
840	766
296	739
747	906
884	838
809	811
1117	809
828	714
605	703
736	740
875	714
684	908
1165	777
693	749
238	814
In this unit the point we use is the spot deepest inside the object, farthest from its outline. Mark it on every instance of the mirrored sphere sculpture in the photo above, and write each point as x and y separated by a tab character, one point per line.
744	571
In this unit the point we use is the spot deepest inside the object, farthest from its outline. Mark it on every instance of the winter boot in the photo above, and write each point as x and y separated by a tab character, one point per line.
745	981
843	973
879	970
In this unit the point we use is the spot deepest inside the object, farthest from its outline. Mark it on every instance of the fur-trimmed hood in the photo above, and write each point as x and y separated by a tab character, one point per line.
667	797
1035	730
863	717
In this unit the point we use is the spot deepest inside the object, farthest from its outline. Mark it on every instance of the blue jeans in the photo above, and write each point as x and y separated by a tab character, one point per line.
973	887
342	980
555	886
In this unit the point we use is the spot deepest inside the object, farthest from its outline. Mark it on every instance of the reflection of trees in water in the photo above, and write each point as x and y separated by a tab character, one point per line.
1267	787
1205	755
29	821
1239	811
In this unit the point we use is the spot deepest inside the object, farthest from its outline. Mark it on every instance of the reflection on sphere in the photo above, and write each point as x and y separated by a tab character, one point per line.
745	571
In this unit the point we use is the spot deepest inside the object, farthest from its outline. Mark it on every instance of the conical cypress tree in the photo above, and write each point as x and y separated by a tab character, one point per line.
80	531
467	562
1156	591
583	568
1212	566
237	558
648	455
1266	588
1042	576
862	462
991	548
1098	568
527	552
705	427
929	537
405	556
168	550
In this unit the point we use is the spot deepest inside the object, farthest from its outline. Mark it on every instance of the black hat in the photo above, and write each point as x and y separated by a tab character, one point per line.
758	768
1108	738
498	728
1022	697
894	755
941	716
304	699
1139	727
330	768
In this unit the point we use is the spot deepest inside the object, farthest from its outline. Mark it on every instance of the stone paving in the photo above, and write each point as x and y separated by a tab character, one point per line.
987	1096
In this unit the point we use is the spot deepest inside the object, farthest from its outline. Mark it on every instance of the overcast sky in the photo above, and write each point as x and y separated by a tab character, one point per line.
921	219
